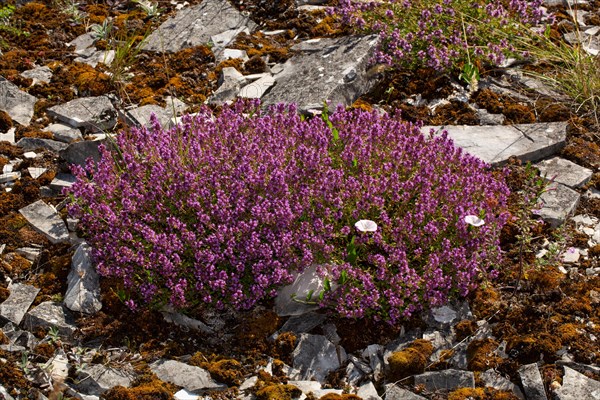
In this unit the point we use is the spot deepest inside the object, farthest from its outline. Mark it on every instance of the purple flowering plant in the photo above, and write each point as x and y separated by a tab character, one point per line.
223	209
441	33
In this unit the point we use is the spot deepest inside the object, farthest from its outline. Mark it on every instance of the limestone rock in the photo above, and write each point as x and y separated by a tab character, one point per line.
16	103
532	383
50	314
577	386
194	26
564	171
292	299
21	297
46	220
97	379
558	202
394	392
141	115
39	74
315	356
64	133
326	70
78	152
28	143
449	379
83	291
187	376
95	114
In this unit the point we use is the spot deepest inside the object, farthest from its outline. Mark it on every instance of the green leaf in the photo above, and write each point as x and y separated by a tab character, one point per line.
327	285
343	277
351	250
309	295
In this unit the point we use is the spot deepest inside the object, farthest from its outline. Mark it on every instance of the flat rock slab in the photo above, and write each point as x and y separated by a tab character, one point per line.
78	152
558	202
140	116
493	379
21	297
50	314
62	181
97	379
16	103
326	70
315	356
83	291
8	136
64	133
196	25
38	74
532	383
46	220
495	144
393	392
28	143
93	113
564	171
449	379
293	299
189	377
576	386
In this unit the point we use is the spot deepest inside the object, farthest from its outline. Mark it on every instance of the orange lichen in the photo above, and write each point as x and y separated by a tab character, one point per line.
278	392
480	394
528	349
345	396
465	328
410	361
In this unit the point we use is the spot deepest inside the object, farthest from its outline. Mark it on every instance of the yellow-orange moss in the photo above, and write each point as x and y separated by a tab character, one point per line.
278	392
481	356
480	394
410	361
529	348
465	328
345	396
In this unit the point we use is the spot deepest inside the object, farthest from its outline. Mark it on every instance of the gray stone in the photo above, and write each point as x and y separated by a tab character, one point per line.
230	83
491	378
558	202
313	387
194	26
93	113
83	291
21	297
227	54
589	43
485	118
46	220
36	172
367	391
187	376
64	133
97	379
62	181
83	42
315	356
78	152
3	391
443	316
577	386
180	319
141	115
295	299
29	143
564	171
38	74
22	339
257	89
497	143
335	73
223	39
373	354
449	379
394	392
531	381
303	323
16	103
8	136
104	57
356	371
9	177
30	253
50	314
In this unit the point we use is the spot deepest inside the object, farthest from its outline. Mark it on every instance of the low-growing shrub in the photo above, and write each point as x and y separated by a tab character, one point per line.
222	210
440	33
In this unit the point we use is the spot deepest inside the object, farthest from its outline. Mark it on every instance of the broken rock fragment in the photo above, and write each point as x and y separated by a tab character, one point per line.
46	220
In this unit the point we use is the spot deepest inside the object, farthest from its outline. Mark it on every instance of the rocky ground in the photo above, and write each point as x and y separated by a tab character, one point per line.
73	75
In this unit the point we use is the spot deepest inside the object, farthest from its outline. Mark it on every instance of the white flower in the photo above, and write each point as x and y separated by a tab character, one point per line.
366	225
474	220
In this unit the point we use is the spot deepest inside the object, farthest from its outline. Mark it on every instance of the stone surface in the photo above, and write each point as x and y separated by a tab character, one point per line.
36	172
315	356
326	70
313	387
292	299
187	376
79	152
564	171
449	379
16	103
558	202
96	379
83	291
230	82
493	379
93	59
367	391
394	392
46	220
303	323
495	144
50	314
95	114
8	136
62	181
38	75
576	386
194	26
64	133
28	143
531	381
257	89
21	297
141	115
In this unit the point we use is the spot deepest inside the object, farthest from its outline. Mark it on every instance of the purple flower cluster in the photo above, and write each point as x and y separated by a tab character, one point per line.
440	33
222	210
